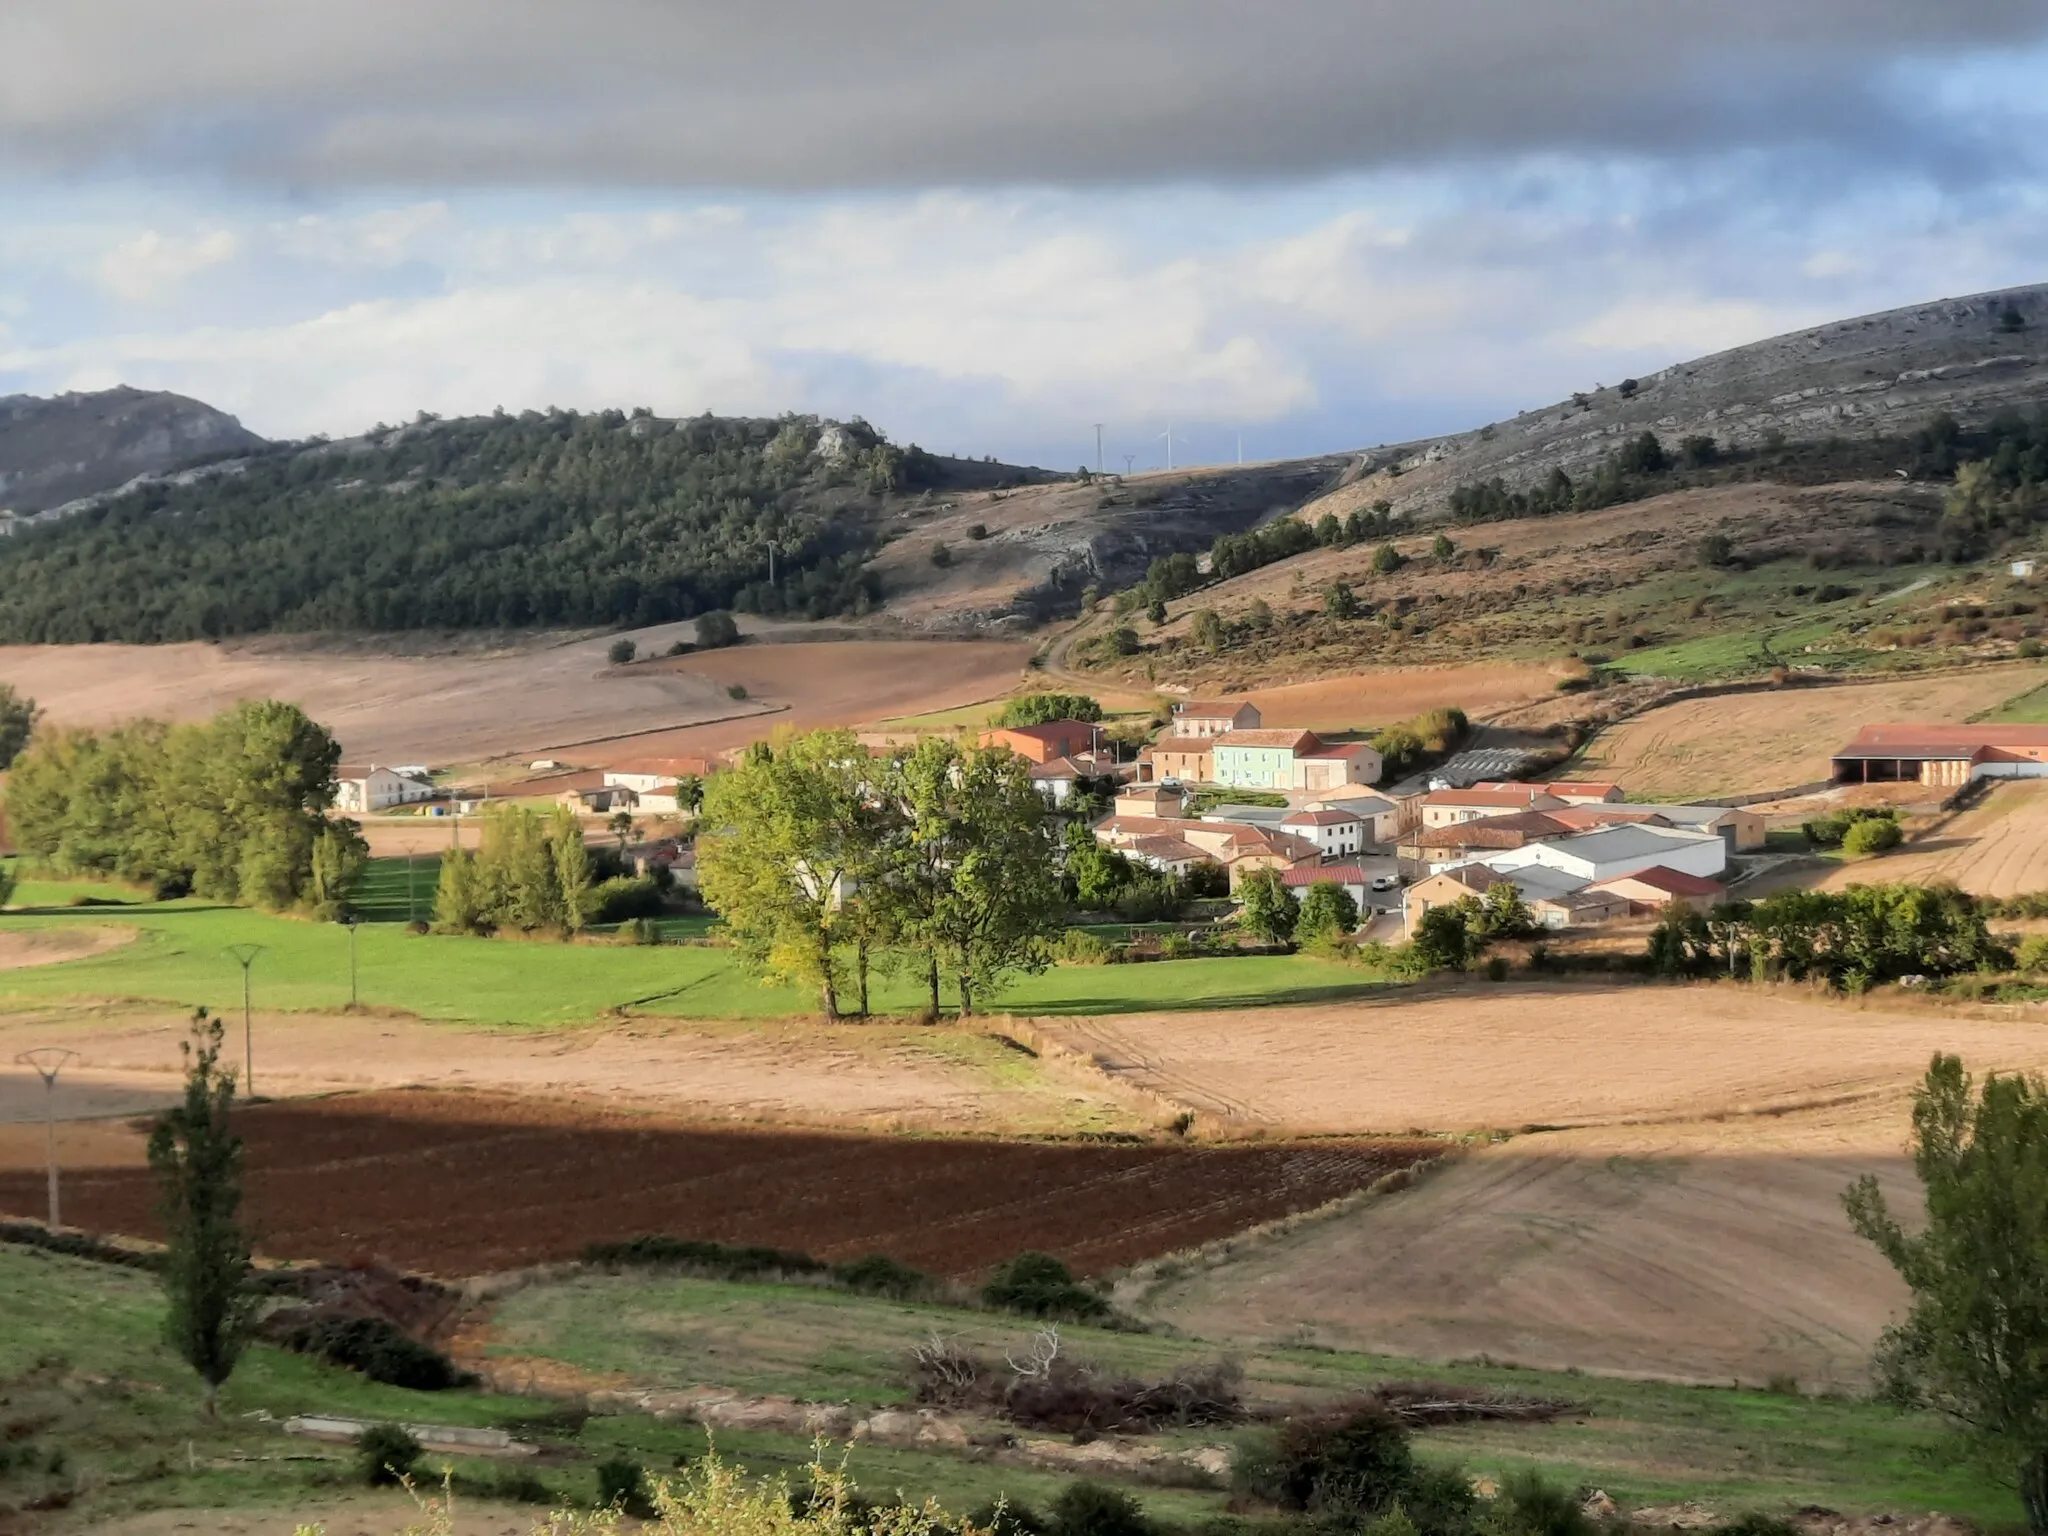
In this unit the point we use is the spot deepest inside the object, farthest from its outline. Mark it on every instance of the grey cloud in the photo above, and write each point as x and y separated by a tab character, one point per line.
832	93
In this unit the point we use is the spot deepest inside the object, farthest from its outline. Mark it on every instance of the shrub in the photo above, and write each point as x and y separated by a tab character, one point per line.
2032	955
2030	648
1442	548
620	898
1497	968
941	556
1339	602
1717	550
1386	560
736	690
1077	946
1872	835
1093	1509
717	630
519	1485
719	1260
380	1349
642	931
978	532
1529	1505
879	1275
622	1485
386	1455
1038	708
1039	1285
1326	909
621	652
1123	640
1012	1517
1345	1463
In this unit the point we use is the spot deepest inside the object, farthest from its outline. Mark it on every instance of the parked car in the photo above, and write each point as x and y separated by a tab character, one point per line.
1386	882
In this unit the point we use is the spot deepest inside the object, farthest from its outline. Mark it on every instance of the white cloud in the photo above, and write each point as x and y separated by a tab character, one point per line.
1687	328
153	263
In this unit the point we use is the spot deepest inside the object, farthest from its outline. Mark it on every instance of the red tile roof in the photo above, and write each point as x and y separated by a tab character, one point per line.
1674	882
1310	874
1524	795
1215	709
1496	831
1323	819
1298	741
1051	730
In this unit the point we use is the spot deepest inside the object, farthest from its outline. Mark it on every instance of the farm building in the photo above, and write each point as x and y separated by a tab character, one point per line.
1585	791
1449	807
1043	743
1259	759
1651	890
1205	719
1332	767
1554	899
1335	833
1148	800
1462	842
601	799
1741	829
1381	816
1942	755
1353	878
1184	759
377	789
1613	851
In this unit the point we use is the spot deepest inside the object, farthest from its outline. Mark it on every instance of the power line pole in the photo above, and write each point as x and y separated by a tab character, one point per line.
245	955
351	920
1098	447
1129	460
48	1061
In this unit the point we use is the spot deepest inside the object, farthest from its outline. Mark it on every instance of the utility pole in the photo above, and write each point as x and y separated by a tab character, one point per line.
245	955
1098	447
1129	460
412	889
351	920
48	1061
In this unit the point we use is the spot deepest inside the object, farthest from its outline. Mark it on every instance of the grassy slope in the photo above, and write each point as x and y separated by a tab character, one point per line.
179	956
1644	1442
124	1410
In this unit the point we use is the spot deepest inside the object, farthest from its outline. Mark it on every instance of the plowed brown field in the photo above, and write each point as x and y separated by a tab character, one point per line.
1996	848
457	1184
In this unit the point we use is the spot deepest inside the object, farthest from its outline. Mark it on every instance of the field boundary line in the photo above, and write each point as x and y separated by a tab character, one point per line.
660	730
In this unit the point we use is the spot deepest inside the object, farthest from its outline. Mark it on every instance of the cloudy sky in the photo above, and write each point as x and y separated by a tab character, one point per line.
987	225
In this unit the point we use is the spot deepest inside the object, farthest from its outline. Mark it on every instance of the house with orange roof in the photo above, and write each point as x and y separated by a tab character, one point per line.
1205	719
1043	743
1653	889
1449	807
1260	759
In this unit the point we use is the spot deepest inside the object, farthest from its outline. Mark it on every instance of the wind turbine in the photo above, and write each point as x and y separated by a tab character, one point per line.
1168	435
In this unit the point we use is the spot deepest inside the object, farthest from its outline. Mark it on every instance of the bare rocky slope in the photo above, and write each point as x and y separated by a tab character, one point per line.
60	449
1881	375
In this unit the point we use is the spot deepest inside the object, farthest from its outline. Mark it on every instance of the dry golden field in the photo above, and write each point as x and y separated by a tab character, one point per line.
1747	742
1998	847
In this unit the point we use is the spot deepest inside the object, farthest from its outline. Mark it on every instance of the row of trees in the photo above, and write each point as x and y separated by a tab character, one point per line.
531	872
1628	473
1855	938
828	864
236	808
544	518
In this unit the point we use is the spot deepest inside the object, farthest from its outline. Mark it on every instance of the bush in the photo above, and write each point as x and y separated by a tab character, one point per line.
719	1260
2032	955
1873	835
1092	1509
717	630
380	1349
1077	946
941	556
736	690
621	898
622	1485
1039	1285
621	652
880	1275
1497	968
1012	1517
1346	1463
1829	831
1529	1505
1039	708
386	1455
1717	550
641	931
1326	909
1386	560
978	532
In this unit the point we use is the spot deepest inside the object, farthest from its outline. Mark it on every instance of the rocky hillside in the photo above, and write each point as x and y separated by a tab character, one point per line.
61	449
1880	375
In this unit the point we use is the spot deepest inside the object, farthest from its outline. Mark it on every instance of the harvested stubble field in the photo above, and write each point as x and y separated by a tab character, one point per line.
1389	694
460	1184
1998	847
1688	1225
1749	742
468	703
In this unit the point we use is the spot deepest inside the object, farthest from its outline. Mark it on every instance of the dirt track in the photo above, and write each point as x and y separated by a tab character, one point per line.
1758	741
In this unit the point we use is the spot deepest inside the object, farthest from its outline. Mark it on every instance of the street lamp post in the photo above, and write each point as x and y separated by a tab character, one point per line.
245	956
351	920
48	1061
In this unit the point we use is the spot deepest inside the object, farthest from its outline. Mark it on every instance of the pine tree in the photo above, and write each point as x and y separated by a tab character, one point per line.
197	1160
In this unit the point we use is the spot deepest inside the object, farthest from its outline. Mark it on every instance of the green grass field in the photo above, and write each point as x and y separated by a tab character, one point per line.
1643	1442
179	955
2030	708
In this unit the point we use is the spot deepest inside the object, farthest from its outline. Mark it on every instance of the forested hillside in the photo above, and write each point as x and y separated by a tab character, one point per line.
539	519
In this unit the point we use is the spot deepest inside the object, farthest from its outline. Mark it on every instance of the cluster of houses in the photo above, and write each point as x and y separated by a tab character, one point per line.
648	788
1579	853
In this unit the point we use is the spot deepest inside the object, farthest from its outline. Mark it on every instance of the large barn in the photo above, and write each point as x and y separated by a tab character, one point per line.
1946	755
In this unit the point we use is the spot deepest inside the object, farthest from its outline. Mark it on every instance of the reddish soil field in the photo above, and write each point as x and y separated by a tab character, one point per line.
460	1184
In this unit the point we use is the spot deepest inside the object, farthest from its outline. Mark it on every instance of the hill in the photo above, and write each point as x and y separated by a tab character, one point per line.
541	519
1870	377
57	450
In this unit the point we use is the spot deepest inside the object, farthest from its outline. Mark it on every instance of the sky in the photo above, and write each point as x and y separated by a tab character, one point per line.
1271	227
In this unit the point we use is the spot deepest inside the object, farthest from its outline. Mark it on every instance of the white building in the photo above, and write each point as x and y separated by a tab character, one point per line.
1381	816
377	789
1614	851
1335	833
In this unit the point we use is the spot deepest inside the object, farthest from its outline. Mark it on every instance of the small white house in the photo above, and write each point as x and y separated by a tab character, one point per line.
377	789
2023	568
1336	833
1381	817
